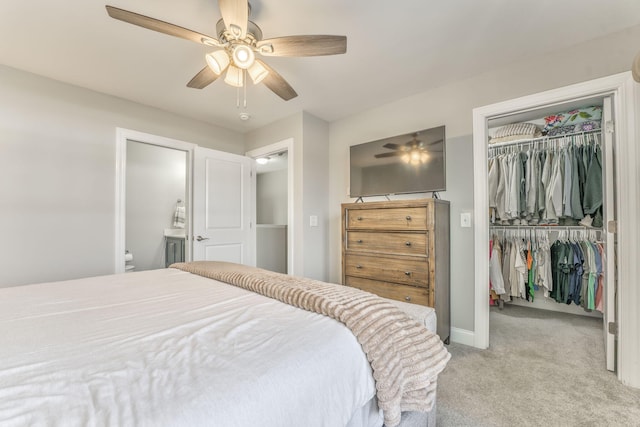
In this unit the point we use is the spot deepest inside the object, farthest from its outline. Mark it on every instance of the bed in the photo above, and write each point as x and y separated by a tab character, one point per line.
172	347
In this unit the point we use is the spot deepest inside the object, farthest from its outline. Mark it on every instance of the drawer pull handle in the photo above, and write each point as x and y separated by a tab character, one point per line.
407	244
407	298
359	218
407	273
408	217
358	266
359	240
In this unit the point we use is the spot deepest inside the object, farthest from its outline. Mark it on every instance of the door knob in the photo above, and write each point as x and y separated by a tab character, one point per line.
200	238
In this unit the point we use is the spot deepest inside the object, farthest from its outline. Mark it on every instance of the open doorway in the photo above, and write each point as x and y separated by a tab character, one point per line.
155	219
153	201
274	207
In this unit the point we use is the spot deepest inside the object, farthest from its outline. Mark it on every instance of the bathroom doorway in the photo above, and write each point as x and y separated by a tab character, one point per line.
155	218
153	201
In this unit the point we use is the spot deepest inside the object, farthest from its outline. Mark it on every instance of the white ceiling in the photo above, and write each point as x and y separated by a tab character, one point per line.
394	49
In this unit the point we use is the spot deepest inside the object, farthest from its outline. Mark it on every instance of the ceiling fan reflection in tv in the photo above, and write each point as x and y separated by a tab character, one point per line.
408	163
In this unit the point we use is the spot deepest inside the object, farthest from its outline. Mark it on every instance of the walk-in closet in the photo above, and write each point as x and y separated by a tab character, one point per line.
549	201
546	215
547	178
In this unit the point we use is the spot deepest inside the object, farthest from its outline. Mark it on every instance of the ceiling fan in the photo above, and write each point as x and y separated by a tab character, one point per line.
238	41
414	151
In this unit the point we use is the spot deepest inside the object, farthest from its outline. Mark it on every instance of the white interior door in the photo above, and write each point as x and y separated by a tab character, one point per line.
223	207
609	236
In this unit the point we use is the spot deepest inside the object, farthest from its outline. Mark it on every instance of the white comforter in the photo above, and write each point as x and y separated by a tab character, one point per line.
168	348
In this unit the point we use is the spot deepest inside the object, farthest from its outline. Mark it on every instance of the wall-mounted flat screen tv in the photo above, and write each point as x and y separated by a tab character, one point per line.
410	163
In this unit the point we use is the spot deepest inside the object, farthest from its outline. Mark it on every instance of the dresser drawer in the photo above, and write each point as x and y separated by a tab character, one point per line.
391	290
387	219
405	271
388	242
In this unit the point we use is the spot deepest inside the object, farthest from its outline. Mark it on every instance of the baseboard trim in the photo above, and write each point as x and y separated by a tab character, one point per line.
462	336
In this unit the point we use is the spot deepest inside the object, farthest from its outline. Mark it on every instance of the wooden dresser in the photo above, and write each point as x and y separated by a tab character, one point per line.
400	250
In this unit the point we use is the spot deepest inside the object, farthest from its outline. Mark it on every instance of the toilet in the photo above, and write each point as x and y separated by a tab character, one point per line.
128	259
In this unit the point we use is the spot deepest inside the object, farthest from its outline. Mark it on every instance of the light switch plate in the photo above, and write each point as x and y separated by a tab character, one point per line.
313	221
465	219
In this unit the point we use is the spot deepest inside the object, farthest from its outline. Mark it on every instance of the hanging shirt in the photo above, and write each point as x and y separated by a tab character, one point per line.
502	190
575	199
494	175
522	196
555	192
506	257
543	266
593	184
566	189
532	184
547	205
495	268
515	179
521	269
577	272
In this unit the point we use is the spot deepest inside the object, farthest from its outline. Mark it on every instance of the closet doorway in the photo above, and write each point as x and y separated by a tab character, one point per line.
274	207
614	95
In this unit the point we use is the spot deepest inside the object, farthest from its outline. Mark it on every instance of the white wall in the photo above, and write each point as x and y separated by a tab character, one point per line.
156	179
289	127
452	106
57	173
316	191
271	203
311	144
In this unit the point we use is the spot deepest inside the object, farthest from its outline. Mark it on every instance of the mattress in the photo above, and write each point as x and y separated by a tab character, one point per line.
168	348
423	314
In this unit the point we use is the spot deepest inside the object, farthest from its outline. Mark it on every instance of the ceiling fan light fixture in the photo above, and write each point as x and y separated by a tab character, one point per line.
243	56
257	72
234	77
217	61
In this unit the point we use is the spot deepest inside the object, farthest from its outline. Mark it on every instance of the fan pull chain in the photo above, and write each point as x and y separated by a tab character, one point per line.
244	86
244	91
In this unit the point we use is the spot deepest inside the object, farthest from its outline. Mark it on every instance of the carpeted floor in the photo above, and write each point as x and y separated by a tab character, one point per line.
542	369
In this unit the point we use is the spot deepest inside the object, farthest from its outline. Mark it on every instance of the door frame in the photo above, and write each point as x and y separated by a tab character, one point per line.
122	136
626	95
284	145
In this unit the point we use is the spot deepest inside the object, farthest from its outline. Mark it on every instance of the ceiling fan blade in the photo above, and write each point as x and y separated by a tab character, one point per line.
160	26
277	83
435	142
389	154
204	78
235	14
303	46
392	146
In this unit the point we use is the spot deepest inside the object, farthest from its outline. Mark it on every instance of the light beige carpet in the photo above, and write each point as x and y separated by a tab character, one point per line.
542	369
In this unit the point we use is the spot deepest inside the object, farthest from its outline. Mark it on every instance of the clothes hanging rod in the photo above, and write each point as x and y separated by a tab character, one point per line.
544	139
546	227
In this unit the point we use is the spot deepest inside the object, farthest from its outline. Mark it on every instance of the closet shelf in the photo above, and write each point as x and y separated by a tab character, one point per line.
543	139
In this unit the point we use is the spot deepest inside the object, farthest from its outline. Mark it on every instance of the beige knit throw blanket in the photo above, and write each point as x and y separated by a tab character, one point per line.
405	357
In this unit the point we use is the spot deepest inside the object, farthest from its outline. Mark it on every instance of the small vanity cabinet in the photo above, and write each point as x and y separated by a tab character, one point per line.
399	250
174	250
